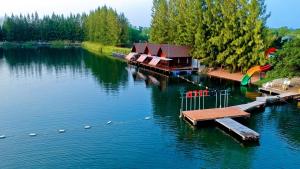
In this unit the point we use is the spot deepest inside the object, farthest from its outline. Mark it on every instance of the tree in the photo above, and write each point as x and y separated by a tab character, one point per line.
159	23
229	33
287	62
173	19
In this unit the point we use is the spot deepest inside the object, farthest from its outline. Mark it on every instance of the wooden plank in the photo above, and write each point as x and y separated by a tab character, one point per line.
212	114
251	105
244	132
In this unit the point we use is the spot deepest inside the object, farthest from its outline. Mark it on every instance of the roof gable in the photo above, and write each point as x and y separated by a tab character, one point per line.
172	51
139	47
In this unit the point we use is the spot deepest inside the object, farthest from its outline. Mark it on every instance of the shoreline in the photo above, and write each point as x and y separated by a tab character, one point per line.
104	50
59	44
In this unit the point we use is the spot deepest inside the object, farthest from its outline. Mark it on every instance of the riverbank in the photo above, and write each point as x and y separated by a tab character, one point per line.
100	49
39	44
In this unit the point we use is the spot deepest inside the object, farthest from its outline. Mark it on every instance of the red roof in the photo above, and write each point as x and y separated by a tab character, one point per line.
153	48
167	50
139	47
172	51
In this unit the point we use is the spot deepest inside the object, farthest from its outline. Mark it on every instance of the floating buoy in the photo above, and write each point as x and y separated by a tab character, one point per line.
87	127
32	134
61	131
2	137
109	122
147	118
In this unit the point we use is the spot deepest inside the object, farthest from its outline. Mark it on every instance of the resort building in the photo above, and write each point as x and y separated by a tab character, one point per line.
163	58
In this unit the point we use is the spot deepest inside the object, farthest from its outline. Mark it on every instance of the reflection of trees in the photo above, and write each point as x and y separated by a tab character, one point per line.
1	54
31	62
287	120
110	73
206	143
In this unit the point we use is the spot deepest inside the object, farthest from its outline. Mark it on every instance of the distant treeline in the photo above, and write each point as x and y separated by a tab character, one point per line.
49	28
228	33
104	25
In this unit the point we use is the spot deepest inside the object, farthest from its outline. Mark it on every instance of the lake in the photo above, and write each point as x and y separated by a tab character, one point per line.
45	90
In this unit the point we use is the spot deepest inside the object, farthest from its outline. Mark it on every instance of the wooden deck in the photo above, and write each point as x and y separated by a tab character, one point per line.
196	116
251	105
165	70
223	74
245	133
223	115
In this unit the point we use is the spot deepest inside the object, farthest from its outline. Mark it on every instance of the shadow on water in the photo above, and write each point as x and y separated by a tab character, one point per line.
287	120
30	62
109	73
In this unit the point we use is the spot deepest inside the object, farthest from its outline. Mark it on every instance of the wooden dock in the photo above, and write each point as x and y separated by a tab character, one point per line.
245	133
222	116
196	116
251	105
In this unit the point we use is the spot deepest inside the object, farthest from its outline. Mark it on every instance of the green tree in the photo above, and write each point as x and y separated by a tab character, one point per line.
160	22
173	19
287	62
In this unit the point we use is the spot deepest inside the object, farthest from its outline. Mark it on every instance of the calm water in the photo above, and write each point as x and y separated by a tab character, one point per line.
46	90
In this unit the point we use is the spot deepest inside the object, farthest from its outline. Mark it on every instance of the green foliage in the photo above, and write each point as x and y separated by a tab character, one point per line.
104	25
229	33
107	27
32	28
287	63
139	34
100	49
159	24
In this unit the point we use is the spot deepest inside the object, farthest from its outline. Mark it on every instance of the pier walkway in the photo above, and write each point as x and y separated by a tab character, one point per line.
196	116
242	131
223	115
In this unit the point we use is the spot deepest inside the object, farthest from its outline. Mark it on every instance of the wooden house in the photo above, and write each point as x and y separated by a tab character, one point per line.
161	57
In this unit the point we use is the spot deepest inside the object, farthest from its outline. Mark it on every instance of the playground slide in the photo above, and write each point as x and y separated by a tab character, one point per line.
253	70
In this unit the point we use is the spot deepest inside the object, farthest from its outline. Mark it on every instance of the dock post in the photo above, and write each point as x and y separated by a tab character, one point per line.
195	102
216	98
186	106
180	115
191	102
220	99
181	102
203	102
199	107
226	98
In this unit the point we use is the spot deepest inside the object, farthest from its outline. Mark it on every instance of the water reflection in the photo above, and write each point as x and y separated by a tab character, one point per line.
27	62
110	74
287	120
212	142
209	145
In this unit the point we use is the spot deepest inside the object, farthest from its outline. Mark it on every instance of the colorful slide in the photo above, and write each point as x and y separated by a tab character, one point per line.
253	70
268	53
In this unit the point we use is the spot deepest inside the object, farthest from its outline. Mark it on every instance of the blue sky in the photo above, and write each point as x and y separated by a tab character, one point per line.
283	12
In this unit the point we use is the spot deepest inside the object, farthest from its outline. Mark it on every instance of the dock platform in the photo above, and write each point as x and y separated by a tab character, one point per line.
251	105
196	116
245	133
